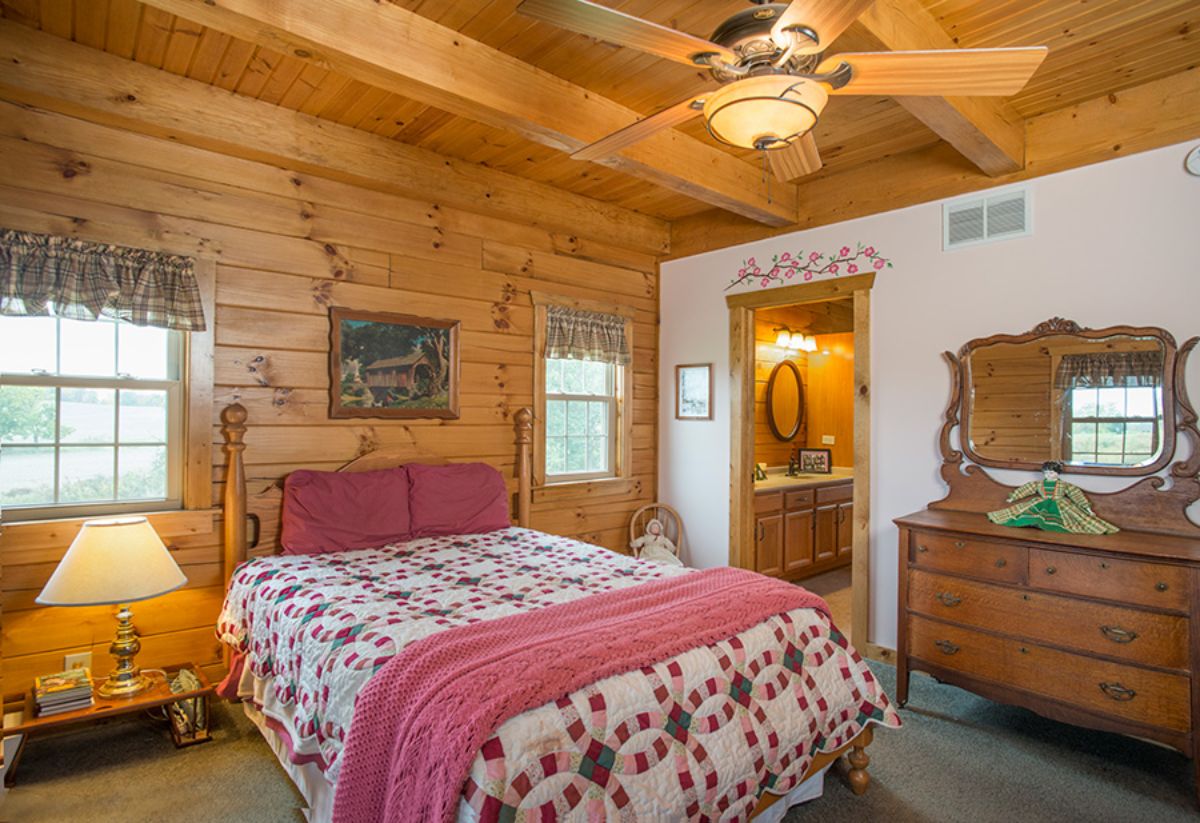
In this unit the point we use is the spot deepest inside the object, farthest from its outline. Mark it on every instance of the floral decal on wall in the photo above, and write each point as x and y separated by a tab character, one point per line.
806	266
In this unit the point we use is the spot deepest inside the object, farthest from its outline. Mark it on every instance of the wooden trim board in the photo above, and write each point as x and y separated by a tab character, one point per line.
741	462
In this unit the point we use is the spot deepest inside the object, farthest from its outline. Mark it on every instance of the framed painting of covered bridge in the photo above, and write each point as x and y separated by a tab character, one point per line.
392	365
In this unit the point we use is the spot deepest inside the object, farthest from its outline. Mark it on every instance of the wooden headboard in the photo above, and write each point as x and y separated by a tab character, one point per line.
239	510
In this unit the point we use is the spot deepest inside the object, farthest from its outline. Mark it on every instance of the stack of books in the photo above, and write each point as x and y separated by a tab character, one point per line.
63	692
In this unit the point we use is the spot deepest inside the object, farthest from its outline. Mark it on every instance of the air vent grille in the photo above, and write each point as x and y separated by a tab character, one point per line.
982	219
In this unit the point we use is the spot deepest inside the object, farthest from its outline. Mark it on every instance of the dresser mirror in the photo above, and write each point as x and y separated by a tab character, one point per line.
785	400
1098	401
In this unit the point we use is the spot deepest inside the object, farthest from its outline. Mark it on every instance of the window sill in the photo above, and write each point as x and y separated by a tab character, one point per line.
584	489
169	523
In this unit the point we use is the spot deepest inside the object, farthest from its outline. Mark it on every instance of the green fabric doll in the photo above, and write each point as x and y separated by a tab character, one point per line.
1051	505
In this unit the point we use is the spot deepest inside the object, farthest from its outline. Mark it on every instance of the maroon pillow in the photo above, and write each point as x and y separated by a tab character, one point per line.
461	498
332	511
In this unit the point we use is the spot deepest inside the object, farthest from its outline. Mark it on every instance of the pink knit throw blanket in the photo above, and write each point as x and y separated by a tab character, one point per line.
420	721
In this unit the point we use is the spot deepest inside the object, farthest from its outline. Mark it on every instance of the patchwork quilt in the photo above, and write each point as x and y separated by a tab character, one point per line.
701	734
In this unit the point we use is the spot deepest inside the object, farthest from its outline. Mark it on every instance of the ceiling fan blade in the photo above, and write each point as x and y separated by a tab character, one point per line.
828	18
613	143
797	160
952	72
623	29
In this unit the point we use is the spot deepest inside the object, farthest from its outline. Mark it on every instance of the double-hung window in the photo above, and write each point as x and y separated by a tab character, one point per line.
584	379
581	419
91	417
1116	425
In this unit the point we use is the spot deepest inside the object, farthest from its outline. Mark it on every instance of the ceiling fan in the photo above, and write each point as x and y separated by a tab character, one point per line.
774	79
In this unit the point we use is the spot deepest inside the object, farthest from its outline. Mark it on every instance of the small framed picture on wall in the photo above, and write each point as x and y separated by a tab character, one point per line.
693	391
815	461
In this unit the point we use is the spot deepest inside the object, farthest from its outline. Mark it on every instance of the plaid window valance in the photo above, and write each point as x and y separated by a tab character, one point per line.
43	274
575	334
1109	370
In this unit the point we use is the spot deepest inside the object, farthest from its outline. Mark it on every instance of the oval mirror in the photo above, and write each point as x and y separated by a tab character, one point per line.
785	400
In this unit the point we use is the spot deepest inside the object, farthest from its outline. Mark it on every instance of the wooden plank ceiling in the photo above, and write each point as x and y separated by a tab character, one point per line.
1097	47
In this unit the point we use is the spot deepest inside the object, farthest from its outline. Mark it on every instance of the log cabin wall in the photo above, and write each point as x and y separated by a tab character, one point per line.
830	396
287	247
1010	417
767	354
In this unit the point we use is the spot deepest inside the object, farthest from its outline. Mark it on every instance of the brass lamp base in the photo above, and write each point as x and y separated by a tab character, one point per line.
126	679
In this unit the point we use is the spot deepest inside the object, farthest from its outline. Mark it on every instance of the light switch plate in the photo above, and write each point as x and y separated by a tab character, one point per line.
83	660
827	439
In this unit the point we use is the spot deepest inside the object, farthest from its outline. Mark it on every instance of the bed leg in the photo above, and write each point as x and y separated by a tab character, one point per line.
858	760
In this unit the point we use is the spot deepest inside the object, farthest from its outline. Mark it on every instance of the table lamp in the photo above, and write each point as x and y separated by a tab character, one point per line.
115	562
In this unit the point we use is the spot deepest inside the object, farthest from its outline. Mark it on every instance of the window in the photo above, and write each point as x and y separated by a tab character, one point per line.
1114	425
581	419
91	417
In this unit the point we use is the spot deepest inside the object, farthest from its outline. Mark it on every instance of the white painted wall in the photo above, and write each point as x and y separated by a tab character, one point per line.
1113	243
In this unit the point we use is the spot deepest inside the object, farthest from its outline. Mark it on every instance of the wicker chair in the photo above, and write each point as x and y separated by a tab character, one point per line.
672	524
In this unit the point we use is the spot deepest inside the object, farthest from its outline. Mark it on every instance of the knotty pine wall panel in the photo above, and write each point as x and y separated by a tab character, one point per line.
287	248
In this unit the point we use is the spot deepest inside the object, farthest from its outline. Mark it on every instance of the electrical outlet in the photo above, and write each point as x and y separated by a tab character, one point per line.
827	439
83	660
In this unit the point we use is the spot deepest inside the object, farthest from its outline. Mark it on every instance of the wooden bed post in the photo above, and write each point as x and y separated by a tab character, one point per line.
523	423
233	429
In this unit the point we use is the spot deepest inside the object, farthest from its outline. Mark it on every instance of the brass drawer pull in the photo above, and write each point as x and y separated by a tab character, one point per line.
947	647
1001	563
958	544
948	599
1162	587
1118	635
921	549
1118	692
1051	570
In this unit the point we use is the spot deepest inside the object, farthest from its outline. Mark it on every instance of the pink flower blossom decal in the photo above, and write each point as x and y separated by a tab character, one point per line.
787	265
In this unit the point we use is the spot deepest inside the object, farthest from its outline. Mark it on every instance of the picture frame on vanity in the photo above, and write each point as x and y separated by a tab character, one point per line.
815	461
694	391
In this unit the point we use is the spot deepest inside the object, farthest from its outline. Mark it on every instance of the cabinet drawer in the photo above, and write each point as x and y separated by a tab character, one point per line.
1113	689
1129	634
835	494
799	500
1127	581
978	558
768	502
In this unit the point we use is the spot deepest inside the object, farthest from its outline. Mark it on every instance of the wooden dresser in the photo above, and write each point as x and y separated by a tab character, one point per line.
1100	631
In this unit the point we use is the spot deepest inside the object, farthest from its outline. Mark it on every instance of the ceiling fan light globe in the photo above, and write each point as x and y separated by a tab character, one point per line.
765	112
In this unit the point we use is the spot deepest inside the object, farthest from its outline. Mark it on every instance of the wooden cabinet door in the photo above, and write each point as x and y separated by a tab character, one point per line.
797	540
845	529
768	545
825	534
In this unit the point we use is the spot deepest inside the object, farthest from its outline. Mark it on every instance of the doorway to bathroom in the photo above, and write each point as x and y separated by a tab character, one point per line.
800	450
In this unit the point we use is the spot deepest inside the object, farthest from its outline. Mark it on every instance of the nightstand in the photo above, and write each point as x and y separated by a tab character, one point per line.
21	720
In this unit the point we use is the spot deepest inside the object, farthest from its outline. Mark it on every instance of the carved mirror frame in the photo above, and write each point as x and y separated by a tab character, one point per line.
1058	327
1154	503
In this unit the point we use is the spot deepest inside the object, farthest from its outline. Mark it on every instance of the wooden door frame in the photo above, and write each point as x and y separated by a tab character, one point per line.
741	463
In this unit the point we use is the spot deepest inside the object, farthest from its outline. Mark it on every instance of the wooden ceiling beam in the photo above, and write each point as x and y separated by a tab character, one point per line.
985	130
392	48
1156	114
58	75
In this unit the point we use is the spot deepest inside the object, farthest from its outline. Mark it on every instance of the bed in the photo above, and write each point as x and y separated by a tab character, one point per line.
738	727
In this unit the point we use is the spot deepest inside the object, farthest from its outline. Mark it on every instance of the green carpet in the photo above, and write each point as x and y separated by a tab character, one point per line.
958	758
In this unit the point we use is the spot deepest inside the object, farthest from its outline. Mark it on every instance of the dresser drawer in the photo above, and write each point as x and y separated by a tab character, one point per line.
1129	634
978	558
768	502
1127	581
836	494
1113	689
799	500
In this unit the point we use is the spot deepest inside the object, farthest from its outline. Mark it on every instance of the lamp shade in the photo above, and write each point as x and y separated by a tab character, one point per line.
113	561
765	112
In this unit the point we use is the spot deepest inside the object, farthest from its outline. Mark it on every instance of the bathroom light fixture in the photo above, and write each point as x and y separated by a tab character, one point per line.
793	340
